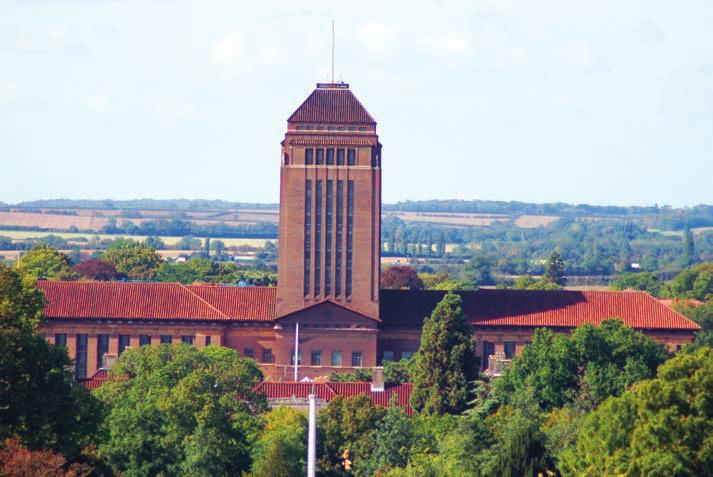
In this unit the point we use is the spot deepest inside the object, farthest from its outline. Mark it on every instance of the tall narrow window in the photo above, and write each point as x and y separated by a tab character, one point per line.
144	340
318	238
488	350
208	340
328	241
340	157
124	342
102	349
350	235
309	157
267	355
166	339
510	349
308	236
351	157
316	358
338	251
60	339
356	358
188	339
80	363
330	157
320	157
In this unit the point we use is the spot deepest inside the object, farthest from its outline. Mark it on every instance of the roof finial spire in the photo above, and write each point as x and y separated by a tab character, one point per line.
332	51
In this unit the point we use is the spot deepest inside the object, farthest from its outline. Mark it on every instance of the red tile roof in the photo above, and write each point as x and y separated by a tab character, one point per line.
240	303
96	380
330	390
332	105
155	301
533	308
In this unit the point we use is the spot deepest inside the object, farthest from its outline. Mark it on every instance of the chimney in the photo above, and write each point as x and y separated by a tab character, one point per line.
108	360
377	379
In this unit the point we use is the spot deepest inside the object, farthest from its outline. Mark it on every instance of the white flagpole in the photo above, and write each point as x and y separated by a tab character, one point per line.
297	345
312	435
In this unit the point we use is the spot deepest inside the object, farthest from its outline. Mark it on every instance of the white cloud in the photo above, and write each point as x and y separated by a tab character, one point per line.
376	37
271	55
97	102
449	43
229	48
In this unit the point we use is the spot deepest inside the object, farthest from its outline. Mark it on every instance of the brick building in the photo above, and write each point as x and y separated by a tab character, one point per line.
328	297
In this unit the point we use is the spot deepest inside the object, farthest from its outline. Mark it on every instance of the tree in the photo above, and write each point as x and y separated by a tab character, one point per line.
19	461
400	277
445	362
554	272
396	436
281	448
586	368
132	259
154	242
347	431
688	255
188	242
95	269
396	372
182	411
478	271
661	426
40	402
694	282
43	261
644	281
191	271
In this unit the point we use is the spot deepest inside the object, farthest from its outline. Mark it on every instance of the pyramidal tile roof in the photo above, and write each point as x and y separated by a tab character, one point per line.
332	103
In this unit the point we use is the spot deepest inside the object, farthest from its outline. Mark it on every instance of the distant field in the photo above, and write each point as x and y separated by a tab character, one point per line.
534	221
22	234
679	233
448	218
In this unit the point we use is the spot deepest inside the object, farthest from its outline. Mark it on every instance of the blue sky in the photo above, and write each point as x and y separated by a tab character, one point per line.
607	102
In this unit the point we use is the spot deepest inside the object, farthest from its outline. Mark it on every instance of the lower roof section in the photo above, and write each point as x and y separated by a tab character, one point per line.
398	308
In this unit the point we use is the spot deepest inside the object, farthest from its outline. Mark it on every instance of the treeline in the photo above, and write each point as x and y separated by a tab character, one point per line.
177	227
142	204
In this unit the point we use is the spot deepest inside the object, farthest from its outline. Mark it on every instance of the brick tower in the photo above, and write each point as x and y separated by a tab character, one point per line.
330	204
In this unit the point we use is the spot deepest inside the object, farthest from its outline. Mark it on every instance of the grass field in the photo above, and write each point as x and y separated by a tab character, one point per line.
438	218
534	221
22	235
679	233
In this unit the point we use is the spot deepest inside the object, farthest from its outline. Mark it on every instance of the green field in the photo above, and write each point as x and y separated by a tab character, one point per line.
22	235
679	233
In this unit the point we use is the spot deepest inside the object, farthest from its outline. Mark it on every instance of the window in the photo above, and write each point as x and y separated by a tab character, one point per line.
388	356
328	242
249	353
188	339
509	349
267	355
356	358
102	349
292	358
308	237
60	339
316	357
406	354
488	349
678	347
336	358
340	157
320	157
330	157
374	157
318	238
166	339
350	233
338	252
124	342
351	157
309	157
208	340
80	363
144	340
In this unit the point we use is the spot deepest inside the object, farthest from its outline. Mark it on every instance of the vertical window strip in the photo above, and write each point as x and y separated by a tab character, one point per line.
308	236
318	239
80	363
309	156
102	349
350	234
338	251
328	241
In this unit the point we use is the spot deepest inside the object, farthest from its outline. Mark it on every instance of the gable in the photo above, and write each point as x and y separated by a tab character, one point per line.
328	314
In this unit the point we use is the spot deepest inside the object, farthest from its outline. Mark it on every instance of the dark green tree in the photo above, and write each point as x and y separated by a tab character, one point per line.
478	271
40	402
396	436
644	281
445	363
178	410
694	282
688	255
281	449
347	427
132	259
554	272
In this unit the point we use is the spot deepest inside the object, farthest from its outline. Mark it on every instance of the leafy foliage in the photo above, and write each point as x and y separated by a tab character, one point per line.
644	281
445	362
662	426
43	261
133	259
183	411
95	269
591	365
281	448
401	276
554	272
694	282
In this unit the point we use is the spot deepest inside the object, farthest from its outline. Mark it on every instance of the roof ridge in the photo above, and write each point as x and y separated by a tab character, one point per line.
204	301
